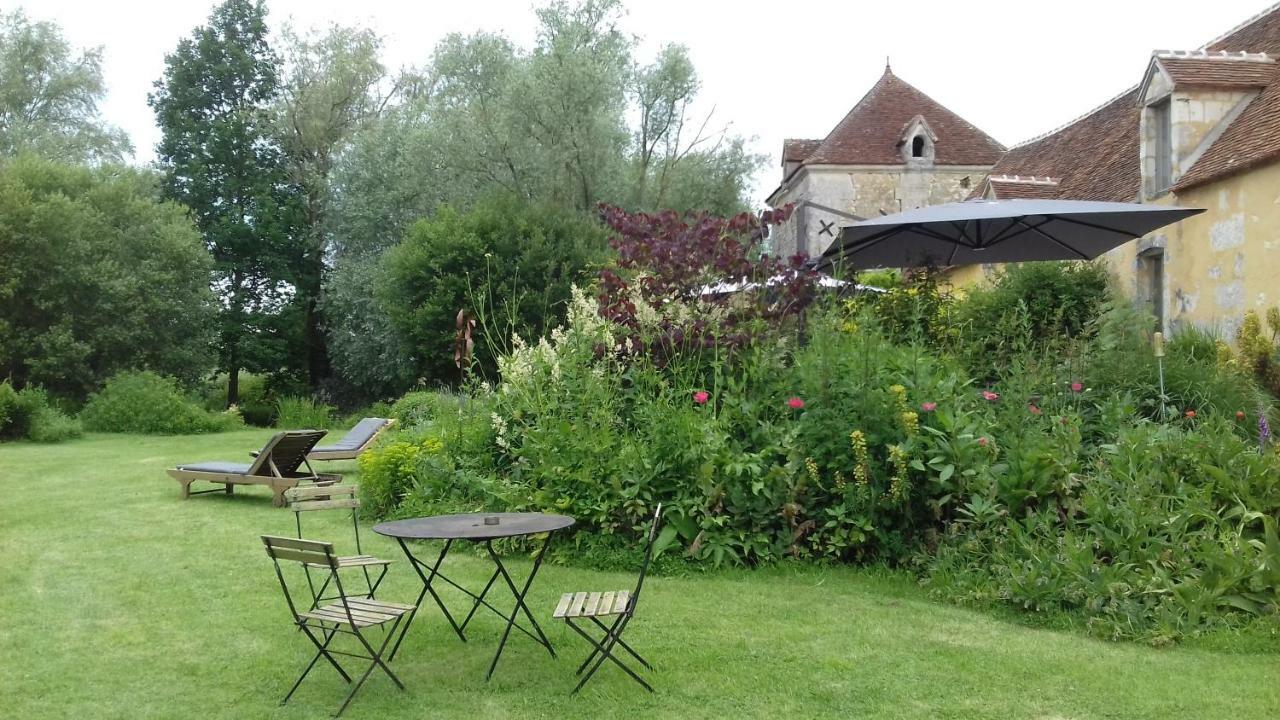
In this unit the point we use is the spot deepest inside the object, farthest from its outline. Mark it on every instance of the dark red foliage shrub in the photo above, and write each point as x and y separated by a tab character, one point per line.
668	256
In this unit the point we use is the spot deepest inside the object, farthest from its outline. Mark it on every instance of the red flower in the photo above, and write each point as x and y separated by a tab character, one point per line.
1034	410
982	441
1190	413
990	396
701	397
928	406
795	403
1076	387
1239	414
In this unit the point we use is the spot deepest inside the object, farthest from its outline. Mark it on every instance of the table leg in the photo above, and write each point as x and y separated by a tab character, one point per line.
427	579
519	595
479	600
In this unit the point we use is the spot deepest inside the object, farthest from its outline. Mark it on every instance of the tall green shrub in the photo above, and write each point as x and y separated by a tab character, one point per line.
1032	304
146	403
510	262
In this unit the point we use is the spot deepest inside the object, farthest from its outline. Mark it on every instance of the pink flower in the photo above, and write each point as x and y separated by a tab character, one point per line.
701	397
928	406
1076	387
795	403
1034	410
1239	414
990	396
1190	413
982	441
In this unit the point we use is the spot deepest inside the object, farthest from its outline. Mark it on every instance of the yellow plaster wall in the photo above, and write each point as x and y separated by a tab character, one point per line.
1220	263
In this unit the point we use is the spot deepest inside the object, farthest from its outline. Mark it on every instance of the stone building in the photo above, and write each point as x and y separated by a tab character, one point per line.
1200	129
897	149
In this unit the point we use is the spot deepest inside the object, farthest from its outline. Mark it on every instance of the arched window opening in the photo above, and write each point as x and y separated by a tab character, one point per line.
917	146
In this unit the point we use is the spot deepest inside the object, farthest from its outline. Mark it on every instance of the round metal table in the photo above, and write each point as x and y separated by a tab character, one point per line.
476	527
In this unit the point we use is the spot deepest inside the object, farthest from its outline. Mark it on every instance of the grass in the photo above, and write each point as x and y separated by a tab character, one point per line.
118	600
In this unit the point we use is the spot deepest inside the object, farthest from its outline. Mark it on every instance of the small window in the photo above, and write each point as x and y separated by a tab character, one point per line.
917	146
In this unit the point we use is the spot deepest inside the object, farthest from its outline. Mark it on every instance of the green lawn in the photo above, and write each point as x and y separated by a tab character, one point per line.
119	600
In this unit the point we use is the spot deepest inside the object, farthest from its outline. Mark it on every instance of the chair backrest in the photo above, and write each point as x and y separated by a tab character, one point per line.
311	498
363	433
648	557
307	553
286	452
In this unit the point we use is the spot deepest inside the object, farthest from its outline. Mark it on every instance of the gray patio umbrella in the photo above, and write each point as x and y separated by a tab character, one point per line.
995	231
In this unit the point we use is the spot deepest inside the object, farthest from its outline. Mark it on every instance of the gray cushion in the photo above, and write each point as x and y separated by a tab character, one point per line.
358	436
214	466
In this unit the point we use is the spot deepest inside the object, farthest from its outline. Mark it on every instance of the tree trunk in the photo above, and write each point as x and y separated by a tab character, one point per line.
233	385
318	368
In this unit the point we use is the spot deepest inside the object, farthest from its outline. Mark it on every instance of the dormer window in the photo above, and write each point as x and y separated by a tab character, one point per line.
917	142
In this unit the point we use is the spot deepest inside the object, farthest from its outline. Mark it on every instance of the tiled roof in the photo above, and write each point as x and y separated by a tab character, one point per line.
871	134
1254	71
1253	139
1095	157
795	149
1259	34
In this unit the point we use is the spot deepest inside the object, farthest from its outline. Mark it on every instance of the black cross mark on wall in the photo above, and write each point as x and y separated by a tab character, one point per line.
826	228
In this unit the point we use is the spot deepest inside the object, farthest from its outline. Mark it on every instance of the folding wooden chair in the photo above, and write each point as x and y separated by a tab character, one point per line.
619	605
335	497
346	615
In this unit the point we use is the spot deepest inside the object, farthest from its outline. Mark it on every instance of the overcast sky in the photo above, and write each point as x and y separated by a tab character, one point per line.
1015	68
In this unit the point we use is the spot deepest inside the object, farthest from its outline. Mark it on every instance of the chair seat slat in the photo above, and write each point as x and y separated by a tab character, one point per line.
311	505
575	608
562	607
620	602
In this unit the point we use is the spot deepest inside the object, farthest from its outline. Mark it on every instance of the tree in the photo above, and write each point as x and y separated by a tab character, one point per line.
49	96
679	162
222	159
331	87
511	262
97	275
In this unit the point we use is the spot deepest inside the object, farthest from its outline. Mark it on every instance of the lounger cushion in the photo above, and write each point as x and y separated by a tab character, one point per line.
359	435
226	468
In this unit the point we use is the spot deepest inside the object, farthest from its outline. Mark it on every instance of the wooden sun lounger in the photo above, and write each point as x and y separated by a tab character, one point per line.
361	438
278	466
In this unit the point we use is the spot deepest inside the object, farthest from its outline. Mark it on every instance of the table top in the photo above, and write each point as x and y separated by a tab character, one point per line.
471	526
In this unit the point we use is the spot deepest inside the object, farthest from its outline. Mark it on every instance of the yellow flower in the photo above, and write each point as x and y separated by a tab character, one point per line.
910	422
861	459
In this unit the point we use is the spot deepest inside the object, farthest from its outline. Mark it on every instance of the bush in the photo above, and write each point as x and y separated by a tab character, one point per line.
510	262
1122	362
1171	531
435	468
1030	305
302	412
27	413
146	403
418	407
378	409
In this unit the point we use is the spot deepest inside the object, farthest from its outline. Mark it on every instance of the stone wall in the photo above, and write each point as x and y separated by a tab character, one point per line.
865	191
